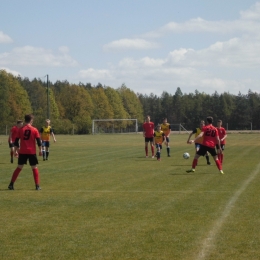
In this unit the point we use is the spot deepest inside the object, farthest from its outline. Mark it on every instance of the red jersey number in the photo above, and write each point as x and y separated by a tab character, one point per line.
27	134
210	132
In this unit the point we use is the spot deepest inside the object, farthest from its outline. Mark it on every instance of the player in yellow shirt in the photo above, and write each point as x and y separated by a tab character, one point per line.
46	131
197	131
158	139
166	128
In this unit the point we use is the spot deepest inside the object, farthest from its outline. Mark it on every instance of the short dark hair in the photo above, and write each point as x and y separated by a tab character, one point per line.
19	121
220	121
210	119
28	118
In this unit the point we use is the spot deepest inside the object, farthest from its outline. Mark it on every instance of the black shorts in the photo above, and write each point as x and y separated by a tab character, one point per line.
222	147
204	149
45	143
24	157
158	146
11	145
148	139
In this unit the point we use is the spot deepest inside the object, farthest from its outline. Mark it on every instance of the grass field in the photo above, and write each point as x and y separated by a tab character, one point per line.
102	199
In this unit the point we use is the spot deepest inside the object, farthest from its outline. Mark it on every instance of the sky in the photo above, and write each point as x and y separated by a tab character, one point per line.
151	46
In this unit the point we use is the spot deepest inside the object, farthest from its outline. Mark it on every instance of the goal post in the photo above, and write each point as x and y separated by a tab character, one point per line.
114	126
179	128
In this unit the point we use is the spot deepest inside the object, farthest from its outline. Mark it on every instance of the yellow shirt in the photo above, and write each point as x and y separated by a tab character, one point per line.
158	137
46	133
200	140
166	128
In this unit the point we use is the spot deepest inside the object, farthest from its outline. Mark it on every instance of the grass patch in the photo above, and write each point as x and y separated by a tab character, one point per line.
102	199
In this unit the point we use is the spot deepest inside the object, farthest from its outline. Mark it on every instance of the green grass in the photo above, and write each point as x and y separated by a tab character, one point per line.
101	199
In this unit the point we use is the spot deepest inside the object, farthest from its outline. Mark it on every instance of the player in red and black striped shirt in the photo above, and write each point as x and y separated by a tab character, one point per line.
210	139
28	136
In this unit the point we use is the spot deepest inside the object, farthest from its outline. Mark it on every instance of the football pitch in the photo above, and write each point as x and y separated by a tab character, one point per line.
102	199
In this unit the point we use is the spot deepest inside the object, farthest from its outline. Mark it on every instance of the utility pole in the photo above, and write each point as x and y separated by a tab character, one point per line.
48	98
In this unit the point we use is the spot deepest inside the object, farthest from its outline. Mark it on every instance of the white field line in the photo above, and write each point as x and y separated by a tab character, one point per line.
209	241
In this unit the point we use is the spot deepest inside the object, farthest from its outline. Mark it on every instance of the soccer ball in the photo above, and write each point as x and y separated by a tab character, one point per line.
186	155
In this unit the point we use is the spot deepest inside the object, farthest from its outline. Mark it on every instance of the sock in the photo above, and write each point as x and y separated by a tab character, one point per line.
43	154
36	176
152	148
207	158
15	174
219	156
146	151
12	153
218	163
47	154
158	155
194	163
168	150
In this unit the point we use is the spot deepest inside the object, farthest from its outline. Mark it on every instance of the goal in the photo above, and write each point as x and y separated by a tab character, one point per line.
106	126
179	128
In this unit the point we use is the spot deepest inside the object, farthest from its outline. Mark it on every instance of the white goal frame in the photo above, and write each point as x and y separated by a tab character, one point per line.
113	120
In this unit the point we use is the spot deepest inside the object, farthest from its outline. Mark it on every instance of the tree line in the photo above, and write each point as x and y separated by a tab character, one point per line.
74	106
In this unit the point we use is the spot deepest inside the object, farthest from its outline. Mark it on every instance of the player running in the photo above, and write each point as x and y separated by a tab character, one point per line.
166	128
46	131
11	138
222	136
158	139
148	131
28	136
210	138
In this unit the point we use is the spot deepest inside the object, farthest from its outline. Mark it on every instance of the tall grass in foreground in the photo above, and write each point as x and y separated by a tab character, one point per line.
102	199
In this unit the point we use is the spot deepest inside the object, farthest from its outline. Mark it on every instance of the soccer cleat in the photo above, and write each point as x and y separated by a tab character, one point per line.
221	171
38	187
208	163
153	156
159	159
169	155
191	170
11	187
12	160
146	156
46	159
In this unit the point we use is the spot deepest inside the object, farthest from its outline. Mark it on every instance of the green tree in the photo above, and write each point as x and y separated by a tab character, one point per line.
14	100
78	107
131	103
116	103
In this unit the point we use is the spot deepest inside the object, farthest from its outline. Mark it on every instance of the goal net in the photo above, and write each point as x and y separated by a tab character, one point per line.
108	126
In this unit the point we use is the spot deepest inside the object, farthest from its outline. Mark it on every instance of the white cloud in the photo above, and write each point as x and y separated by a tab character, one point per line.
5	38
15	73
32	56
249	22
253	13
130	44
92	74
214	68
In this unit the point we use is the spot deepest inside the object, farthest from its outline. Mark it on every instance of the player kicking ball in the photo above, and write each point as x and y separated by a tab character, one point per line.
210	139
